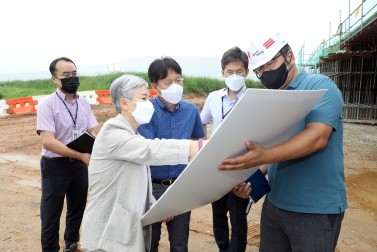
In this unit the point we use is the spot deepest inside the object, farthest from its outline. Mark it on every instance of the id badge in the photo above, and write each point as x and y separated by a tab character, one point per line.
75	134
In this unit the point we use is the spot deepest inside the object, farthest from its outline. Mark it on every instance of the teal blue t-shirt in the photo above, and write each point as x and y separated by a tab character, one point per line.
314	183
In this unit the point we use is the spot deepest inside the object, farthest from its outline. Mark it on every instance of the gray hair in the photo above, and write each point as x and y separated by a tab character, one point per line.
124	87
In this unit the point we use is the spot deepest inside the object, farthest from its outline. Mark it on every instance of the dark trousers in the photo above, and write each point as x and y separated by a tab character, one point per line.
60	179
238	219
283	230
178	228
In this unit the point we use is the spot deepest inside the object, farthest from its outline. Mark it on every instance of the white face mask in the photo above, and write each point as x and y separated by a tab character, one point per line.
235	82
172	94
143	112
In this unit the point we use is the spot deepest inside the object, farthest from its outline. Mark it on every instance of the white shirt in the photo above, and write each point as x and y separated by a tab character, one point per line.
217	105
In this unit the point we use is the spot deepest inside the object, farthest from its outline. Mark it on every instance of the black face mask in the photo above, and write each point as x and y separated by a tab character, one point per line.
274	79
70	84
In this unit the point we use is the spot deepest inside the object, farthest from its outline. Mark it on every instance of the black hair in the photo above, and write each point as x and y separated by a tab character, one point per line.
235	54
55	61
158	69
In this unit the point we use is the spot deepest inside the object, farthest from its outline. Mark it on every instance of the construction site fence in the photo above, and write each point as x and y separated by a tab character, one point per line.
30	104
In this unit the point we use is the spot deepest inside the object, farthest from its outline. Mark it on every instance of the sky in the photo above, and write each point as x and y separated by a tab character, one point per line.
90	32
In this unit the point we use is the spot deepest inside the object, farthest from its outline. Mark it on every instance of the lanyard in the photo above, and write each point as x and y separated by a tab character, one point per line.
222	106
222	109
77	107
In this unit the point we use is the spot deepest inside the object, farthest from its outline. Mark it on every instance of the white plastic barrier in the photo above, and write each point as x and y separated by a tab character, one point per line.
3	108
38	98
91	96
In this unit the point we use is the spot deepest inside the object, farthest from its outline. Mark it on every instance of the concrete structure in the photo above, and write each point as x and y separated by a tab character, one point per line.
350	59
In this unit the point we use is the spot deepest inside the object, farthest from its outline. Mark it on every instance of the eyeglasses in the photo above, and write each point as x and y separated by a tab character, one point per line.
269	63
67	75
238	72
179	81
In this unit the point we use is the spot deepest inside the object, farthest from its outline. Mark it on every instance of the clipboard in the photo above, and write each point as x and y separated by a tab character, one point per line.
84	143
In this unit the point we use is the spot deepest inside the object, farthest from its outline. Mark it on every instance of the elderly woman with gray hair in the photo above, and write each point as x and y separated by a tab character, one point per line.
119	176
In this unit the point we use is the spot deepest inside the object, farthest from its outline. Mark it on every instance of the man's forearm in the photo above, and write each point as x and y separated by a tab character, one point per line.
312	139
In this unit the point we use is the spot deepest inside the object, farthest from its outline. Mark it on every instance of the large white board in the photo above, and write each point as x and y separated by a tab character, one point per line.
262	116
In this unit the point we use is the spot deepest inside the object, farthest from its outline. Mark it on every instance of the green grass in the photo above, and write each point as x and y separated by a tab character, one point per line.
18	88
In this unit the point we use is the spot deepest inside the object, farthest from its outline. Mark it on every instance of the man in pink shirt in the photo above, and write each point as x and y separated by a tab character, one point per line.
62	117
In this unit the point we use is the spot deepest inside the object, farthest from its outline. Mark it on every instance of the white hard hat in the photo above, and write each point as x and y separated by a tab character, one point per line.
261	54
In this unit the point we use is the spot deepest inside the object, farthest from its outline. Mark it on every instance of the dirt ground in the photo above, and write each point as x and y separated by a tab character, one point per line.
20	190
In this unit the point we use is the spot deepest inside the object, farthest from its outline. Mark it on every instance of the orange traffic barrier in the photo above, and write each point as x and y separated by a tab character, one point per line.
22	105
152	93
103	96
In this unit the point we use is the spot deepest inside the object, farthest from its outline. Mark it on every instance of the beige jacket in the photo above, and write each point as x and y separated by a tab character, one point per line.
111	220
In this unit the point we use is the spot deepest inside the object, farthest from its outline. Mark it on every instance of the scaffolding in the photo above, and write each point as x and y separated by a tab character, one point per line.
349	58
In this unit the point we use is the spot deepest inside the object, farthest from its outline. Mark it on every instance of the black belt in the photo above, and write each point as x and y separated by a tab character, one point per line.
164	182
62	159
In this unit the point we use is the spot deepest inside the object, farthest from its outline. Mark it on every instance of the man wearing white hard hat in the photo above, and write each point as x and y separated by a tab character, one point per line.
305	207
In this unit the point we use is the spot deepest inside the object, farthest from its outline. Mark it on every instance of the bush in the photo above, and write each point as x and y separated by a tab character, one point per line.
18	88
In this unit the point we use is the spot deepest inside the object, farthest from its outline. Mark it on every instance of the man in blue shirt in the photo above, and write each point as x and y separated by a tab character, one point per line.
173	119
305	208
